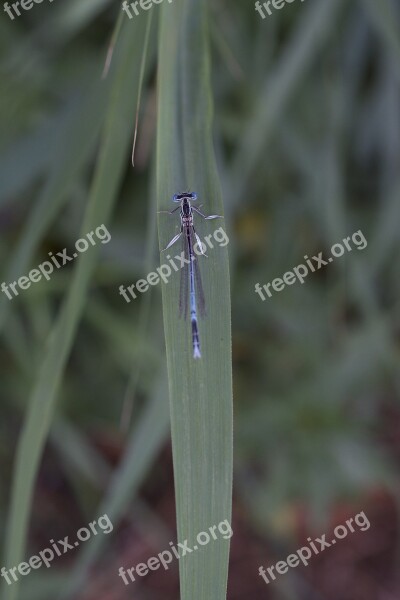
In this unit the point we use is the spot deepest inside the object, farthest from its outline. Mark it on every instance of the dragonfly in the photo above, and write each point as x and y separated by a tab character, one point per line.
190	273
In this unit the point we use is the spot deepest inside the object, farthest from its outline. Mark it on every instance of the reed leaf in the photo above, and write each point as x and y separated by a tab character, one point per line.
200	390
110	168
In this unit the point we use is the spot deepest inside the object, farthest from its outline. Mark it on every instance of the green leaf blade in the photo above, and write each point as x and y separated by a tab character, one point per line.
200	390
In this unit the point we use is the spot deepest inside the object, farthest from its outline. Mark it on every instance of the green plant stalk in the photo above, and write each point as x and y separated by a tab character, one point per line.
200	391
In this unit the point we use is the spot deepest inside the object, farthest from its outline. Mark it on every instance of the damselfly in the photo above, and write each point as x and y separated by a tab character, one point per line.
190	274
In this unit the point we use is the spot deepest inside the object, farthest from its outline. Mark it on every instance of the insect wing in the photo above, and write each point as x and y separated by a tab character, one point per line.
201	301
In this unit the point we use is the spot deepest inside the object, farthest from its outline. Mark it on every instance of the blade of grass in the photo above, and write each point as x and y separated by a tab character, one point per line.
80	134
384	17
113	41
145	442
141	79
315	25
200	391
109	171
144	317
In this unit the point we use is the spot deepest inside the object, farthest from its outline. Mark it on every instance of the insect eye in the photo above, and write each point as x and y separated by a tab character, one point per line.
175	197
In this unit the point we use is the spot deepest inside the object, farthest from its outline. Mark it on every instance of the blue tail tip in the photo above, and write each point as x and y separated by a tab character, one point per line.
196	352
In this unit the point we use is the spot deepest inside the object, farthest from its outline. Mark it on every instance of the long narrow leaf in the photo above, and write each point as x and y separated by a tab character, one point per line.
200	391
110	167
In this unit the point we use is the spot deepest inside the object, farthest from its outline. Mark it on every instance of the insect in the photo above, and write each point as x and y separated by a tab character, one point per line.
190	274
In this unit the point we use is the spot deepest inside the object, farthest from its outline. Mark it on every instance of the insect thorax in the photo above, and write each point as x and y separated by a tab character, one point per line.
187	221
